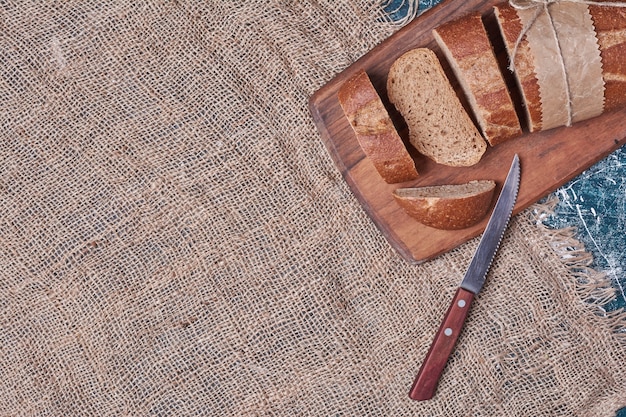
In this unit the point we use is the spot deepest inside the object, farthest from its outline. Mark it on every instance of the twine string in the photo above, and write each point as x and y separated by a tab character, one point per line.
542	6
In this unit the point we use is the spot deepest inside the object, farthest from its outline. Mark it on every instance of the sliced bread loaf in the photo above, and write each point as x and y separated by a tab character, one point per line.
448	207
374	129
468	50
439	126
569	64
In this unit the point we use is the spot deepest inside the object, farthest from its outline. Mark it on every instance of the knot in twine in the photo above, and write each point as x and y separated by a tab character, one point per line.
543	6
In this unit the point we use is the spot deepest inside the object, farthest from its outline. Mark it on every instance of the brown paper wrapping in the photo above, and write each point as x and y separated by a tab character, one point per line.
567	61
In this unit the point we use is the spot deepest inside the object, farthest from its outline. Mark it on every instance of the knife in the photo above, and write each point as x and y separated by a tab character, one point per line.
427	378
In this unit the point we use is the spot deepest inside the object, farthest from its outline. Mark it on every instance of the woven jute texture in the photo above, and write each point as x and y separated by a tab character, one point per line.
175	239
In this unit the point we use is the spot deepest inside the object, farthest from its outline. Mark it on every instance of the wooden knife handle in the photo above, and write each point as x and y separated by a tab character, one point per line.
425	383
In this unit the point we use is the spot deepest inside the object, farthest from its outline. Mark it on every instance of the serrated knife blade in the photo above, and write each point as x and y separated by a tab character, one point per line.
427	379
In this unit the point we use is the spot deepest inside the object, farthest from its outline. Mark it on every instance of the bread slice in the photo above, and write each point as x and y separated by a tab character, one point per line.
511	27
468	50
439	126
448	207
374	129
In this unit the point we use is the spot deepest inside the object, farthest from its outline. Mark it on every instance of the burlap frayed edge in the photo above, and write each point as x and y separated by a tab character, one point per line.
594	287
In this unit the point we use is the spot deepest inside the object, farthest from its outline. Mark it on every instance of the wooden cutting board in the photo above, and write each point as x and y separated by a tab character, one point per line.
548	159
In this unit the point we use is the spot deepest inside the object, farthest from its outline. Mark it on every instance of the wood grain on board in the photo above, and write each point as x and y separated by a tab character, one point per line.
548	159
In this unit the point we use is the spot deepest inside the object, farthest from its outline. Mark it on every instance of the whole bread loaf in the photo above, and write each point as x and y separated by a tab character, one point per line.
374	129
447	207
465	44
439	126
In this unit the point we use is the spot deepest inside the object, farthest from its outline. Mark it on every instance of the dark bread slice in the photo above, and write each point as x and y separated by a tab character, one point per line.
374	129
448	207
439	126
467	48
511	27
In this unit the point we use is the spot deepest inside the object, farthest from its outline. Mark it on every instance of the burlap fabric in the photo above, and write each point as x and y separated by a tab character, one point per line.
175	240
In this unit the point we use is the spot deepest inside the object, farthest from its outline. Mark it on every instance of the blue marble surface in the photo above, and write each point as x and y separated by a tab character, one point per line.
594	203
399	10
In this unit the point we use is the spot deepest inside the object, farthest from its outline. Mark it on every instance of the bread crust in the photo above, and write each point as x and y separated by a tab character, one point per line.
465	44
510	28
610	25
374	129
461	207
